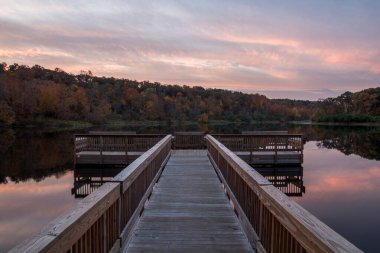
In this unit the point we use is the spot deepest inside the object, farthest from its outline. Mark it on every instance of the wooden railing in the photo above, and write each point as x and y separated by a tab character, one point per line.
272	221
261	142
115	142
137	182
189	140
89	178
101	221
280	144
264	132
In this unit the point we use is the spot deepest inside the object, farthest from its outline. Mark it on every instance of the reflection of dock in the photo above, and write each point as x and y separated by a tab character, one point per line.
289	180
88	179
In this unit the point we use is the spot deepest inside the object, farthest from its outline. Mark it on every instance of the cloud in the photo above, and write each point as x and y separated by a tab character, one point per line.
239	45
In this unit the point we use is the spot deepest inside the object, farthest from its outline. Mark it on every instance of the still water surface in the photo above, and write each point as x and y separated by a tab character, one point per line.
341	176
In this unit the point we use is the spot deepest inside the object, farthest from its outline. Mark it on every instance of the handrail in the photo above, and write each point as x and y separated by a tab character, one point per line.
188	140
265	132
262	142
115	142
100	221
137	182
276	143
272	221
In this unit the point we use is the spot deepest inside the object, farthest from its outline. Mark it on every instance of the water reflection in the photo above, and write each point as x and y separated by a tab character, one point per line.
28	206
343	192
289	180
360	140
25	155
35	182
88	179
341	172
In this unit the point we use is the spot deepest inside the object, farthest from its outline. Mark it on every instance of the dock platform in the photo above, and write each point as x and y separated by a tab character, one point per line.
188	211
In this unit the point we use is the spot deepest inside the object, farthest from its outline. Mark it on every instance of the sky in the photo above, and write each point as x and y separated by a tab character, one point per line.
298	49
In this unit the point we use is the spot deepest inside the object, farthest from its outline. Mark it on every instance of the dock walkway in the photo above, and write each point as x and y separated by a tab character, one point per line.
188	211
173	200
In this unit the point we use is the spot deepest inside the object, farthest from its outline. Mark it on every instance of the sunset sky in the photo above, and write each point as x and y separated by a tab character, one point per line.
280	48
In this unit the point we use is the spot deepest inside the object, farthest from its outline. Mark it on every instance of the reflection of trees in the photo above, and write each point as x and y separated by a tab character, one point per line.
36	156
360	140
7	138
366	145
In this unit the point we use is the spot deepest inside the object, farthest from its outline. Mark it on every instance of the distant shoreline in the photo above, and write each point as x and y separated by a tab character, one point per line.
334	123
117	124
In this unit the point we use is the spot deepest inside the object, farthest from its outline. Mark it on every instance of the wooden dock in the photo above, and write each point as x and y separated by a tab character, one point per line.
256	148
187	201
188	211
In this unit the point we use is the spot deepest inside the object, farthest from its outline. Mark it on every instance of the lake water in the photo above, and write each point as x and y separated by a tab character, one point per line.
341	177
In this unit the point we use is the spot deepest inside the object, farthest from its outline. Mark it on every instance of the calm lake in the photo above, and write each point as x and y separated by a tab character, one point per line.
340	178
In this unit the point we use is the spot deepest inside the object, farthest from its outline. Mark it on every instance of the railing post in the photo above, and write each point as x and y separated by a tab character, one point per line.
275	149
126	149
101	149
104	239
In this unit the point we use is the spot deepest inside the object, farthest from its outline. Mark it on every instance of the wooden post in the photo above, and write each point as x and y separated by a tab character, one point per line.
126	149
101	150
275	149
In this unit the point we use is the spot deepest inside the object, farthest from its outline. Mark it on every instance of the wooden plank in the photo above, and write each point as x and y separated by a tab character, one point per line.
126	232
188	211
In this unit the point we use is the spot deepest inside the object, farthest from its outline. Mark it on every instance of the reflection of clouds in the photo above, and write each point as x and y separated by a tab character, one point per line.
357	181
328	171
236	45
27	207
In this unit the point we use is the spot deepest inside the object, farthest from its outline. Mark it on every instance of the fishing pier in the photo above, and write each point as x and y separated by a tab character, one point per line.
187	193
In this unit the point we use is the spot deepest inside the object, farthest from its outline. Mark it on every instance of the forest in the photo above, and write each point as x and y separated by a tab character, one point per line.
358	107
29	94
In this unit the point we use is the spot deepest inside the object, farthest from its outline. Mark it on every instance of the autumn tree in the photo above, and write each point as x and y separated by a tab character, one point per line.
7	115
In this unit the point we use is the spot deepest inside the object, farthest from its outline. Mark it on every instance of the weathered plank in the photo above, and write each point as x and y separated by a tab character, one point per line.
188	211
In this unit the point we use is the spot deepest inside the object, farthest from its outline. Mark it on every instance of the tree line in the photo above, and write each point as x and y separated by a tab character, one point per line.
362	106
35	93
